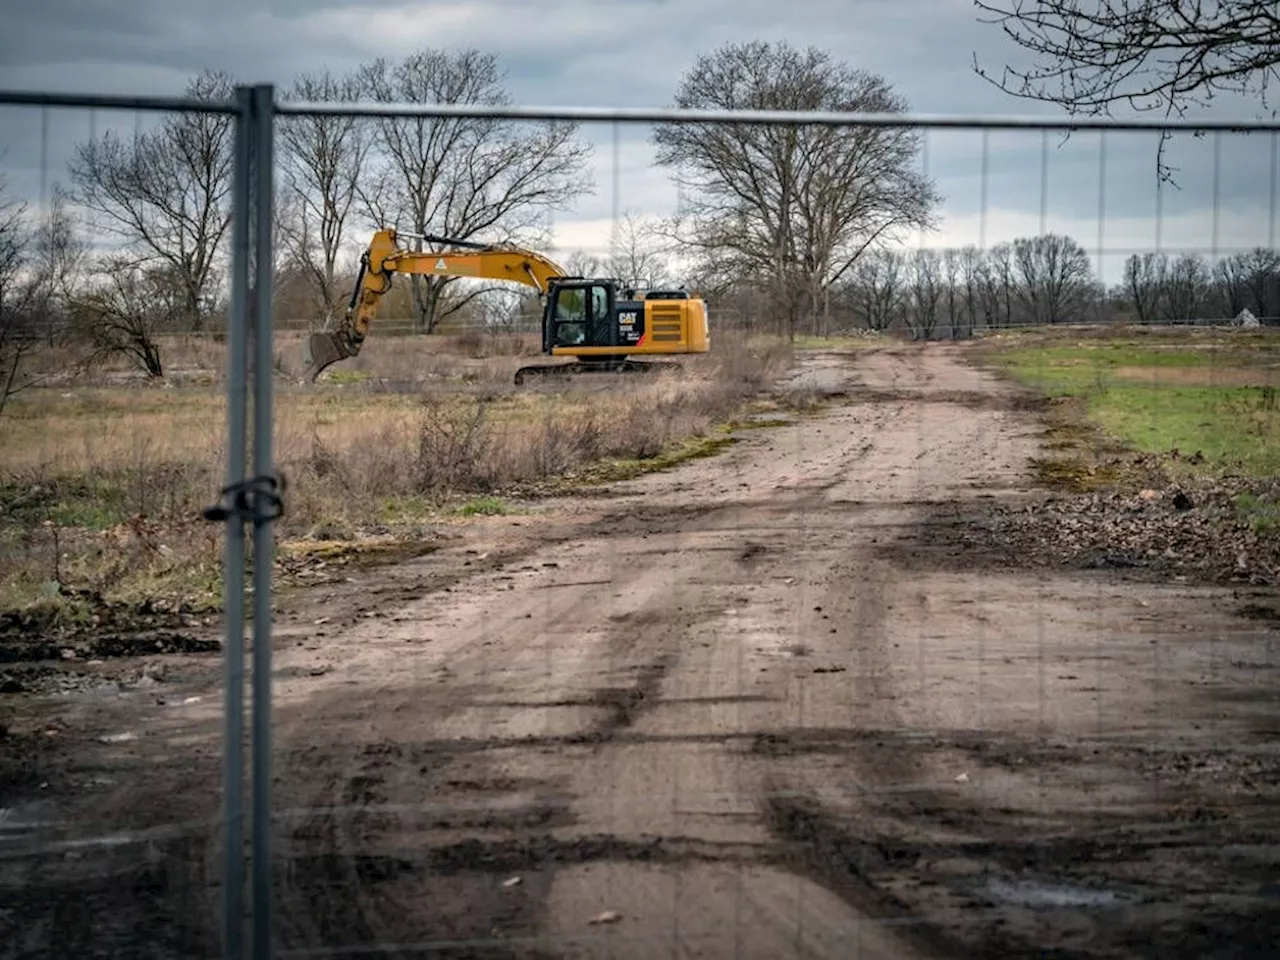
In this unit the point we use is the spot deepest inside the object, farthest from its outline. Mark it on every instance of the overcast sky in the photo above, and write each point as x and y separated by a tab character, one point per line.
632	53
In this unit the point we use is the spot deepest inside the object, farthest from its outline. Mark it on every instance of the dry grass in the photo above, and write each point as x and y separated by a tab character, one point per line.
104	478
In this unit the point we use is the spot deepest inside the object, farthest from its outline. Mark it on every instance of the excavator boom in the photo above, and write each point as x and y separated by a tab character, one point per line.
385	257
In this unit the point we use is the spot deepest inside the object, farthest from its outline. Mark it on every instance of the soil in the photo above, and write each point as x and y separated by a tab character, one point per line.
1210	376
780	702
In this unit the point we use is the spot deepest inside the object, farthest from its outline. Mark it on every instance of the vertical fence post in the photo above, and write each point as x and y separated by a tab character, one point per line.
233	572
263	531
252	499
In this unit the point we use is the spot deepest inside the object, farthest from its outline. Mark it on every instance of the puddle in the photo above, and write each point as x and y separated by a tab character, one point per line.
1029	893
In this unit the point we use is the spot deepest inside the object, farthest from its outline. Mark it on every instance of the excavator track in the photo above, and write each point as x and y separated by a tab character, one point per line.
566	371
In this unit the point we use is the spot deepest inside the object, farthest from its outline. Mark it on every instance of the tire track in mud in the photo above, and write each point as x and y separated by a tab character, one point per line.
789	789
817	828
672	770
483	840
704	532
357	872
631	801
792	793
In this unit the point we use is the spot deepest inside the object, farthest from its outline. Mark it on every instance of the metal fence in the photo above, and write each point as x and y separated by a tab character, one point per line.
253	496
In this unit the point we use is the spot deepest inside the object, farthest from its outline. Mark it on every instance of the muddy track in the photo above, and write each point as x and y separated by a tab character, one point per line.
720	712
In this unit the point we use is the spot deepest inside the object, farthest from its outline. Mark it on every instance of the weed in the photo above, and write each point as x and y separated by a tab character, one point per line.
1075	475
1260	514
484	507
344	377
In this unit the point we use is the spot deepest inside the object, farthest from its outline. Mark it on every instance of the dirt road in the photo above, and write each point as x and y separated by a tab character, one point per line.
742	708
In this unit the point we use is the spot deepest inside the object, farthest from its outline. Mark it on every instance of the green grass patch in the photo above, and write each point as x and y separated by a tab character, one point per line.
345	377
198	587
627	468
1260	513
394	511
1230	426
758	423
93	501
484	507
1109	354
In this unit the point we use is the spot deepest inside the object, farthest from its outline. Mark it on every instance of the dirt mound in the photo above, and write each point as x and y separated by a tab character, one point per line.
84	625
1200	532
26	650
44	680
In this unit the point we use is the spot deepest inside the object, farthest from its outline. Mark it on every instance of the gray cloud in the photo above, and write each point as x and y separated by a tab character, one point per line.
632	52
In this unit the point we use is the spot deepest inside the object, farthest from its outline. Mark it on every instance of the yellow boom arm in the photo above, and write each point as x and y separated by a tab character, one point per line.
386	257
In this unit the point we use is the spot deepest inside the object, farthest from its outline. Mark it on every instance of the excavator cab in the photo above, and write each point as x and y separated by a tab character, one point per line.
580	313
567	317
600	321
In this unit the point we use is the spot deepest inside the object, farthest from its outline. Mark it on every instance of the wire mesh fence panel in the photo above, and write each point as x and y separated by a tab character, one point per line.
116	236
924	608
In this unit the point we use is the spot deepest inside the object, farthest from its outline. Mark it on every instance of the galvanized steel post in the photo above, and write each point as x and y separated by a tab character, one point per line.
252	499
263	520
234	564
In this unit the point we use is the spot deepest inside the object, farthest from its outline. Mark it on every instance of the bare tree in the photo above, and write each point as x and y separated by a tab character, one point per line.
509	310
323	158
60	257
1186	287
990	303
1147	54
164	194
1144	277
954	293
464	177
1258	271
877	284
40	264
580	263
1230	277
1163	288
971	264
127	305
795	204
15	291
62	247
1001	283
15	243
1054	277
924	292
636	252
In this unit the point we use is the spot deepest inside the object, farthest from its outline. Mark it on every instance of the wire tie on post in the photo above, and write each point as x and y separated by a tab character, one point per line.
257	499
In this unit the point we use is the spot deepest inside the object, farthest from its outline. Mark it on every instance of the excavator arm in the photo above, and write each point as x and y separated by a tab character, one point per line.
385	258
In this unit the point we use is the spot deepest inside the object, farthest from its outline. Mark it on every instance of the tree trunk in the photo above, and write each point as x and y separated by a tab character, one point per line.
426	302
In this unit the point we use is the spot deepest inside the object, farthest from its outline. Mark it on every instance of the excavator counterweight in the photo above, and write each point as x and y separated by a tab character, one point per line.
595	321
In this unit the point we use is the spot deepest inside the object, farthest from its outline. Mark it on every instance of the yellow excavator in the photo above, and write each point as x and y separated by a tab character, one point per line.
601	323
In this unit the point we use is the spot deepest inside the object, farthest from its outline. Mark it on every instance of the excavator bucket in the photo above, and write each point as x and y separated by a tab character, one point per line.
319	351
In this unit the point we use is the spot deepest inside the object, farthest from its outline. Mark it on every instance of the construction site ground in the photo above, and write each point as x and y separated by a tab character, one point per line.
765	704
